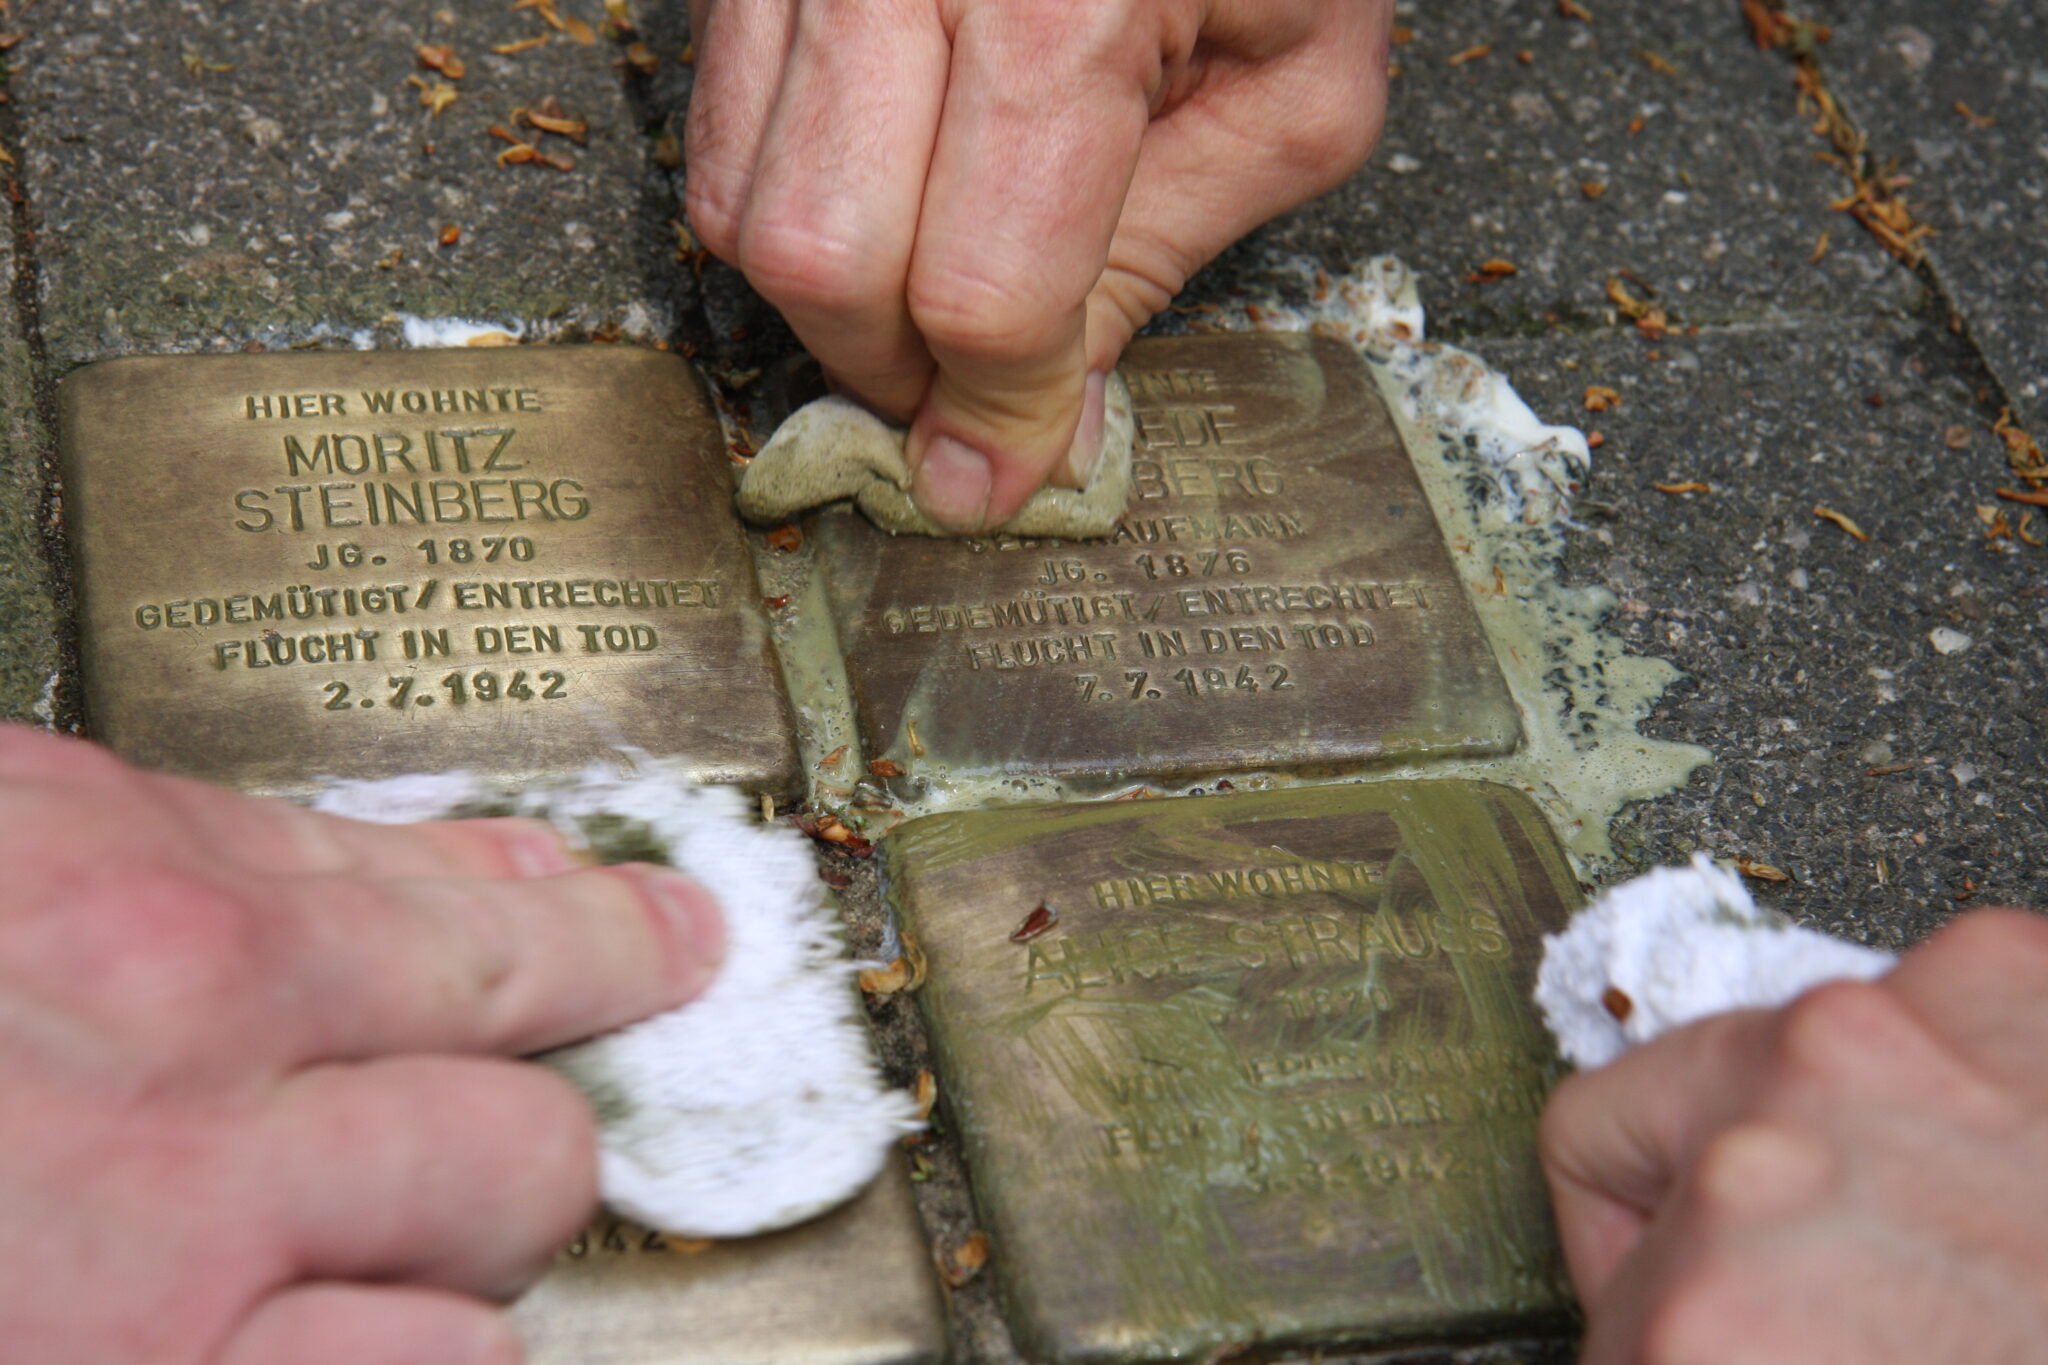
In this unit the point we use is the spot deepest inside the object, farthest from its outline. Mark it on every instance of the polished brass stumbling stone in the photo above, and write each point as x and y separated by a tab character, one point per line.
1278	596
853	1288
511	560
1263	1067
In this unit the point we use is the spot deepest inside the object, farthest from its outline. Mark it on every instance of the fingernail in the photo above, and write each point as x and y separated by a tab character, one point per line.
953	483
1084	457
695	920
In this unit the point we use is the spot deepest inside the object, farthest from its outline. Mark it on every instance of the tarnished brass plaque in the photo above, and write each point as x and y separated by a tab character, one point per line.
1272	1074
853	1288
1278	596
510	560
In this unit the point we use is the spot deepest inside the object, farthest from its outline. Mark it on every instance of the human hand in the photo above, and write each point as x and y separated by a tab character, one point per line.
965	208
255	1107
1861	1176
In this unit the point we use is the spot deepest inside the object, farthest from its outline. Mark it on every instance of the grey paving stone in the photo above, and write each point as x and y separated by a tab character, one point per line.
34	606
1901	67
1717	201
1808	652
211	172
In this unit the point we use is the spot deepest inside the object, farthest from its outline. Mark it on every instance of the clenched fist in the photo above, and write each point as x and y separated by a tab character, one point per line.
966	207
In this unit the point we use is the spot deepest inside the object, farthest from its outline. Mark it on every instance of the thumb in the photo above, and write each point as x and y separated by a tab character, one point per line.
1035	151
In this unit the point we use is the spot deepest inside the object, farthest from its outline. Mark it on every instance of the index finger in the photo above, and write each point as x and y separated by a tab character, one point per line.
488	966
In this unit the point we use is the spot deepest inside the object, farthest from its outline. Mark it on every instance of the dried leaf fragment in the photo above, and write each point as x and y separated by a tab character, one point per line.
2033	497
437	96
451	233
1041	919
1593	189
1689	486
1762	872
1572	9
831	760
441	57
1600	398
578	30
492	339
641	58
788	538
1496	268
523	45
926	1093
962	1263
1830	514
1975	119
886	768
1471	54
575	129
1661	65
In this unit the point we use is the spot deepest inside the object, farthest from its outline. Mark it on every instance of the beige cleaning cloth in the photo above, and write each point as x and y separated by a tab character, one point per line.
833	449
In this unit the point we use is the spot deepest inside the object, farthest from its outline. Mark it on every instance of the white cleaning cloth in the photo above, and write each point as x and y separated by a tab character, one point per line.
1673	946
758	1104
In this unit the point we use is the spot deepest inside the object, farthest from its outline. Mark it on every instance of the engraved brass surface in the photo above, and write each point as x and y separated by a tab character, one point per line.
1278	596
1271	1075
360	564
853	1288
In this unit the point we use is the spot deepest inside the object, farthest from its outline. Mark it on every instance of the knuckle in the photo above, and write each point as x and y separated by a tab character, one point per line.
1754	1169
713	202
797	266
1839	1034
1992	942
982	316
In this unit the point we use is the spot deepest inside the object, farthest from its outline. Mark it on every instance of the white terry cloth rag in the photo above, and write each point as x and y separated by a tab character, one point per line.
755	1106
1673	946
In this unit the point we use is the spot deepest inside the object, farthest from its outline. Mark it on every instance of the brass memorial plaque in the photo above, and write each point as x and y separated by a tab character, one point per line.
1271	1073
853	1288
1278	596
510	560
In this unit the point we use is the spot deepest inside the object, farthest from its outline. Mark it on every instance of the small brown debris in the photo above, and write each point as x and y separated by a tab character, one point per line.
1616	1002
788	538
831	760
492	339
451	233
1762	872
1690	486
575	129
835	878
640	57
1472	54
1661	65
1593	189
1595	439
436	97
910	732
441	57
523	45
1042	918
578	30
1976	120
962	1263
2025	531
1638	123
777	602
1403	35
1496	268
1956	437
2022	452
668	151
1969	890
1820	248
1527	56
2033	497
883	982
1887	769
886	768
1599	398
1572	9
926	1093
1830	514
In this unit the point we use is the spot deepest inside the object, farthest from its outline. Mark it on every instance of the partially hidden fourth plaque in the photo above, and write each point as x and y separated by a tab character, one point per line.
1277	596
1252	1068
510	560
